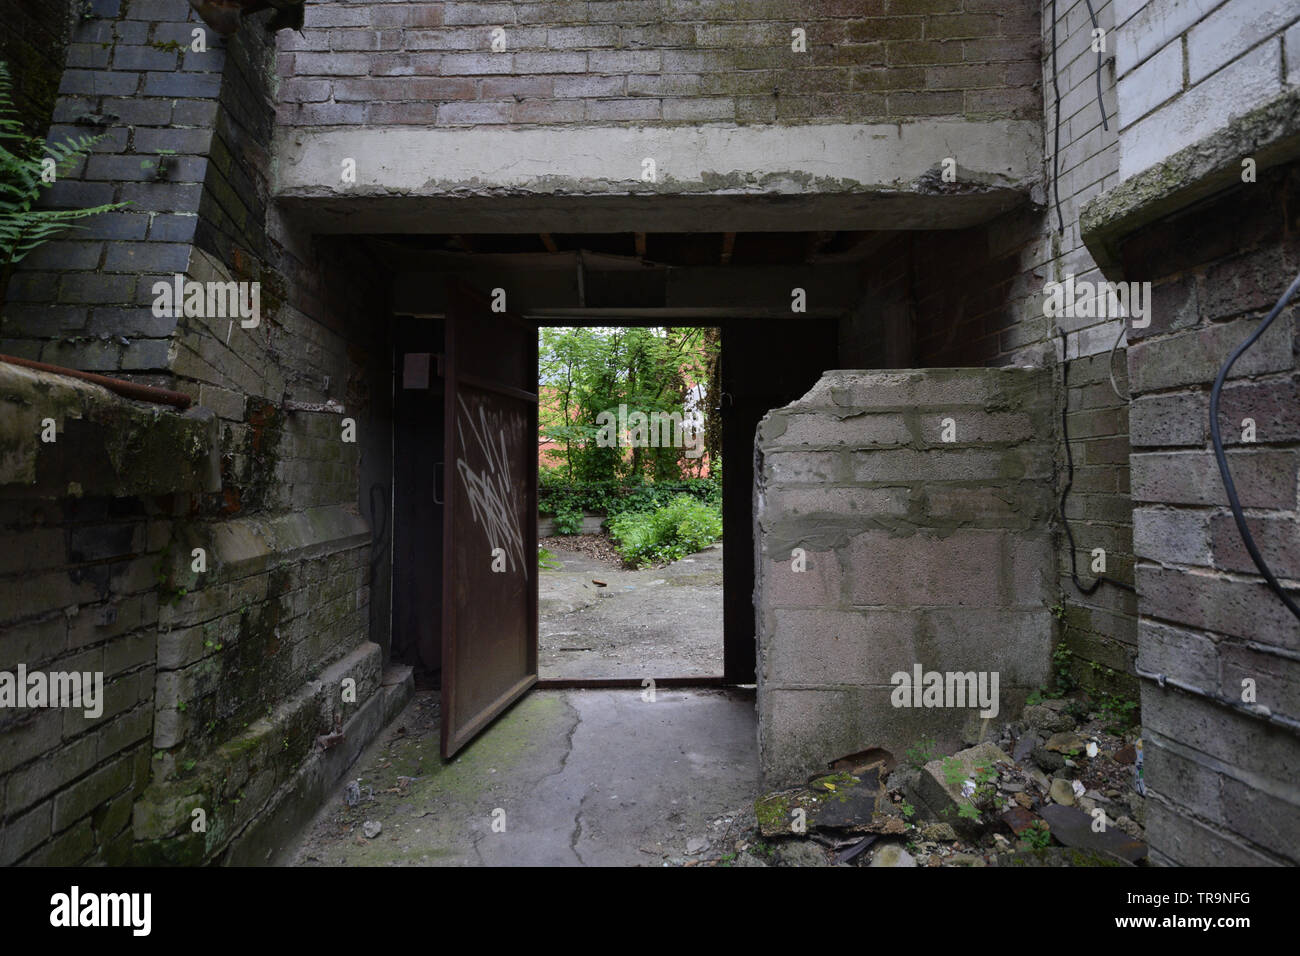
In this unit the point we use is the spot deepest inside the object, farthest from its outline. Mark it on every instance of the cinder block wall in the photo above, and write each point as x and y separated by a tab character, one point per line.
658	61
1203	87
1223	782
248	658
915	550
975	297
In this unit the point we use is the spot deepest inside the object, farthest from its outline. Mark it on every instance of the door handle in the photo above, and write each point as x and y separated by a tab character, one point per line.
437	468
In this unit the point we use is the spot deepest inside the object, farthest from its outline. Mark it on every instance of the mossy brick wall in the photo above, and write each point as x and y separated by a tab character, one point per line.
85	521
1223	783
78	592
974	297
658	61
916	550
34	44
285	542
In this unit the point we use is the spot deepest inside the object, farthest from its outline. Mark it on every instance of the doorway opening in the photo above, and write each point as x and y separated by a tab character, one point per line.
630	504
468	396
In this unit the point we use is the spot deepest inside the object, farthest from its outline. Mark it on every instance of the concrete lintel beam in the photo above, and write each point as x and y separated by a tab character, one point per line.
734	178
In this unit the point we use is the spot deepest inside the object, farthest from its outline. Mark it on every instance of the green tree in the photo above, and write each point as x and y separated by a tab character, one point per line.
587	371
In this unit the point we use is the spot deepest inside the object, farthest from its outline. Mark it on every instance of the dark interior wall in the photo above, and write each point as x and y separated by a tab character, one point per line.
766	363
418	485
34	44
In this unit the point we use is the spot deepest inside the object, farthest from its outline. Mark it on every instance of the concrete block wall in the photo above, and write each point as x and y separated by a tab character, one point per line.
1187	68
975	297
657	61
249	656
914	551
1222	780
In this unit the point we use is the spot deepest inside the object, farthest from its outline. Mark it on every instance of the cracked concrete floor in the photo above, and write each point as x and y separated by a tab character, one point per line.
584	777
658	622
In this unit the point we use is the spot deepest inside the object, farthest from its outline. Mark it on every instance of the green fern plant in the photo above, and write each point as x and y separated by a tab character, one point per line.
23	177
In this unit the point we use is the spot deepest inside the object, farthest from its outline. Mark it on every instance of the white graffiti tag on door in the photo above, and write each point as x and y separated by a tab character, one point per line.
491	493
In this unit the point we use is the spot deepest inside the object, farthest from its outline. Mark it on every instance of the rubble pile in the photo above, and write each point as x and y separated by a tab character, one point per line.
1061	786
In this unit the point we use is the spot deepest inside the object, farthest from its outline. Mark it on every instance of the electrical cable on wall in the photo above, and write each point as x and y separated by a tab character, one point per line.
1056	149
1233	501
1069	482
1110	366
1100	103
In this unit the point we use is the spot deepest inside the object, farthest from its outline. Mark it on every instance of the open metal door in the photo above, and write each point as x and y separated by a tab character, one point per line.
489	581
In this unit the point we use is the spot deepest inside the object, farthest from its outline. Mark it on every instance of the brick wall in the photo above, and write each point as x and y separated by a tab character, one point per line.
657	61
250	655
1202	87
34	44
85	518
1207	619
78	595
1187	68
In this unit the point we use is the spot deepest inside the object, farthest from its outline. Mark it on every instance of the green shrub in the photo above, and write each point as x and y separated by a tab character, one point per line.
568	521
555	495
683	526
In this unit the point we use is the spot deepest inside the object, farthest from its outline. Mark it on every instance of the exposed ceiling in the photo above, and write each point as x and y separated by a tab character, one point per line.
674	249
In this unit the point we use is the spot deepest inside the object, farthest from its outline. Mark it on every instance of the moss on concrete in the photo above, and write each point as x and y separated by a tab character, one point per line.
1269	134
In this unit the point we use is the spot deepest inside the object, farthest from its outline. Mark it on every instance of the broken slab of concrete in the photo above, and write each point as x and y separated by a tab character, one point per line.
840	801
950	788
1074	828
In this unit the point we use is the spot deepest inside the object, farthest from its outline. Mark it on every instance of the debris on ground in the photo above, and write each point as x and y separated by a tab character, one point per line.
597	546
1057	787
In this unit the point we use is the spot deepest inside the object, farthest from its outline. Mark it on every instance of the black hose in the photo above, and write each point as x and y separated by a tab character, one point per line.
1069	481
1235	503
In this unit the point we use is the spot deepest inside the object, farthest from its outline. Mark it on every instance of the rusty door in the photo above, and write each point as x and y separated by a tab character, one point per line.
489	581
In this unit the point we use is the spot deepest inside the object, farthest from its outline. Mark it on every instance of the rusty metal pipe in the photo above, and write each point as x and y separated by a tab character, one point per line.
143	393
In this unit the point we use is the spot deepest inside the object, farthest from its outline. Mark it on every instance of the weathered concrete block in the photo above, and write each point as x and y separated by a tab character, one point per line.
916	573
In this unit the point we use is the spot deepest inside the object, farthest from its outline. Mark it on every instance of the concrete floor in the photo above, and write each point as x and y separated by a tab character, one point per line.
659	622
591	777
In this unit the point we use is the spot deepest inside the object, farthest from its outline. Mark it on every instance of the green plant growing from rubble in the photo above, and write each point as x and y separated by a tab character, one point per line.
1118	712
1063	680
1038	835
921	752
